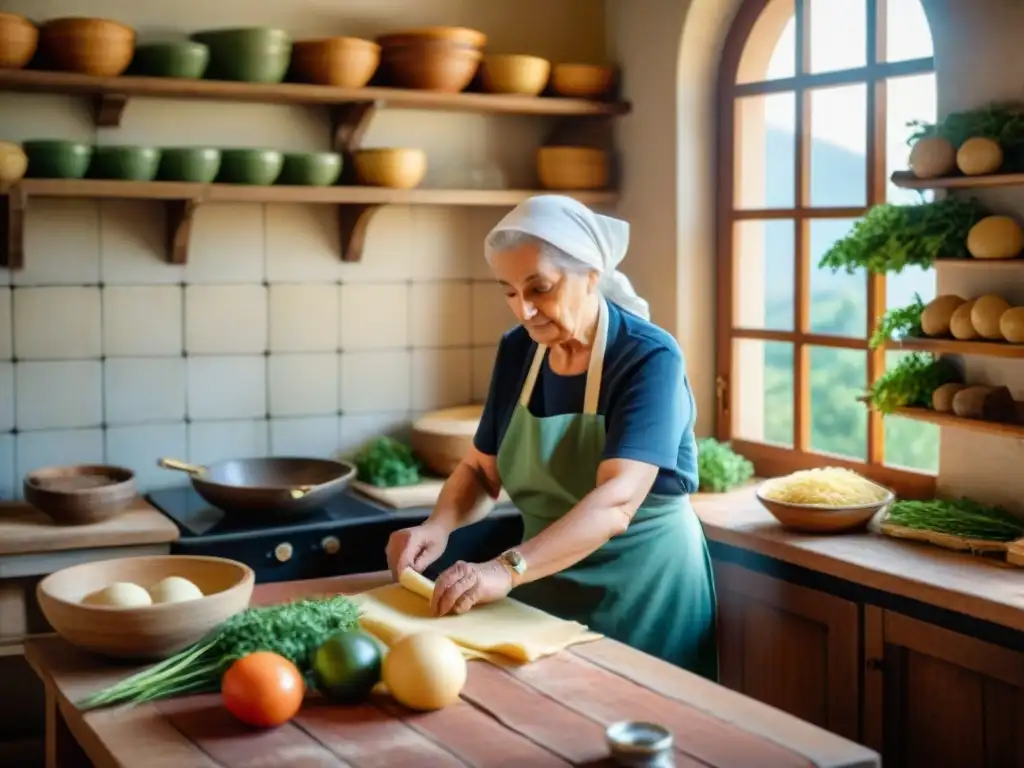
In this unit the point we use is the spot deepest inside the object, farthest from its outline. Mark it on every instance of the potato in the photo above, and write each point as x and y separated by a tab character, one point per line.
985	404
986	313
960	323
936	316
995	237
932	157
942	398
1011	325
978	156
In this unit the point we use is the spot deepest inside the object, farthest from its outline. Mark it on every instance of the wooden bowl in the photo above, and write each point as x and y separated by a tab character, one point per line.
514	73
81	494
581	81
344	62
19	38
441	439
398	168
811	518
461	36
572	168
154	631
99	47
431	65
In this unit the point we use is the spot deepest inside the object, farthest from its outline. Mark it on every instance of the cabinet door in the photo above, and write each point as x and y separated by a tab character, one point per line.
934	697
791	647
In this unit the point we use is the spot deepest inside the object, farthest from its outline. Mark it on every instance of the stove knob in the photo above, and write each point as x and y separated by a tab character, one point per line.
330	545
283	552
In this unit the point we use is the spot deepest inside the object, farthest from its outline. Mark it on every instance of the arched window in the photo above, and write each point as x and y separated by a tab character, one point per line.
816	97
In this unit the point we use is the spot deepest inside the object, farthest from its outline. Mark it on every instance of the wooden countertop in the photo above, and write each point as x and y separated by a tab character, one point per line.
548	713
26	530
950	580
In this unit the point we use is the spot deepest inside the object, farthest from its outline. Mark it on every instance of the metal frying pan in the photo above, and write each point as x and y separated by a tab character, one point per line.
276	486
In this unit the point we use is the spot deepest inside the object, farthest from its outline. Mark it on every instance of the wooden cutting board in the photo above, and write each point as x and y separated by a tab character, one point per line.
422	494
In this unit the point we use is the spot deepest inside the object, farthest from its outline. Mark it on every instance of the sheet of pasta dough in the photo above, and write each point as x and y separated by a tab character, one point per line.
506	630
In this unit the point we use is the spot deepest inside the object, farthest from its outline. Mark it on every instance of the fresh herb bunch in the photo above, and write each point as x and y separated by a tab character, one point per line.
1002	122
386	462
719	467
898	323
911	382
293	630
891	237
958	518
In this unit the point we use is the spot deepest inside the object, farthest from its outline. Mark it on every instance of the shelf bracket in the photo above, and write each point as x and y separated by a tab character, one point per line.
109	108
350	123
12	228
354	221
180	214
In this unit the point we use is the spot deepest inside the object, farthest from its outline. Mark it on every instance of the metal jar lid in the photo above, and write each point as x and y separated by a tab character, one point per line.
638	743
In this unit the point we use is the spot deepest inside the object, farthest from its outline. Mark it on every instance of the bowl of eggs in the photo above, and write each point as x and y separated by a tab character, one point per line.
144	608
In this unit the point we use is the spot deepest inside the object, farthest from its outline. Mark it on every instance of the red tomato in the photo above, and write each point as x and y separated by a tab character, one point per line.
263	689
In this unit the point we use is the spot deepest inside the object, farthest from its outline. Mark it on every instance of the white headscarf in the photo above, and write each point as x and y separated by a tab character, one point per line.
597	241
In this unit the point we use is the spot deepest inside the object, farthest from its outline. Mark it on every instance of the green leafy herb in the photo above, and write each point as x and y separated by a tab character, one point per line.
386	462
1003	122
720	468
891	237
293	630
958	518
911	382
898	323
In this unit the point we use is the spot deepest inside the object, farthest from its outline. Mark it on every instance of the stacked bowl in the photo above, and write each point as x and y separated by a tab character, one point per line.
432	58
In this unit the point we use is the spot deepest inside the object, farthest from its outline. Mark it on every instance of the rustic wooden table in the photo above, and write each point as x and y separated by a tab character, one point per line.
549	713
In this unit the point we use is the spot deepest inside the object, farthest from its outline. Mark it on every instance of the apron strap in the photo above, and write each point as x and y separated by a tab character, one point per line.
594	370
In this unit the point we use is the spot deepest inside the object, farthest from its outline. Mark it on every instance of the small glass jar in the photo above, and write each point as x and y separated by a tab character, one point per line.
640	745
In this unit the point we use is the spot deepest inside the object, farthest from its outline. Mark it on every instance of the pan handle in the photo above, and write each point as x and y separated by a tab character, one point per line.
193	469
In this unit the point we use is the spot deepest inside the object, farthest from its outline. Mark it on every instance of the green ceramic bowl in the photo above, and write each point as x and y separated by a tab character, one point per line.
250	54
196	164
56	158
186	59
124	163
249	166
310	169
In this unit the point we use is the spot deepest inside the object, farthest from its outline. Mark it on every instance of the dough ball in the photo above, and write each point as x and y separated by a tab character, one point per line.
174	589
120	594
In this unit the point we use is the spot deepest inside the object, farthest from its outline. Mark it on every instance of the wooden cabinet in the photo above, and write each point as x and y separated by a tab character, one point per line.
791	647
935	697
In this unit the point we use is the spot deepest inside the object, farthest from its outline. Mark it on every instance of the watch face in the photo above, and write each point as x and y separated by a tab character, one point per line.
516	561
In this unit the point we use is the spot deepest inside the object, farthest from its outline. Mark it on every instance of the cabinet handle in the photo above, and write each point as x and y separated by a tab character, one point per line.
875	665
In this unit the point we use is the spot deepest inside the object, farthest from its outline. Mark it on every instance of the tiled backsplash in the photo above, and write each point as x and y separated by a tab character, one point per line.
264	343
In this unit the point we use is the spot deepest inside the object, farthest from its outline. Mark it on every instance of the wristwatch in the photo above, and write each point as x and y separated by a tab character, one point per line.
515	563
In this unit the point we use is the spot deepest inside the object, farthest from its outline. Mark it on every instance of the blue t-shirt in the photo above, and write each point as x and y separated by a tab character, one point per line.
645	398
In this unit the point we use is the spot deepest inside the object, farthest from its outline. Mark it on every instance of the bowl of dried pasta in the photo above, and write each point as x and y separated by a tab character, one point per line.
823	500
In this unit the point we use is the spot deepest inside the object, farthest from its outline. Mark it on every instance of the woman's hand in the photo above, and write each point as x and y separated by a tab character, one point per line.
467	584
415	547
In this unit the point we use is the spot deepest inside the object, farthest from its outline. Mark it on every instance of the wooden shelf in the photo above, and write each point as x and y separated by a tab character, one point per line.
956	347
949	420
1014	263
907	180
356	205
113	93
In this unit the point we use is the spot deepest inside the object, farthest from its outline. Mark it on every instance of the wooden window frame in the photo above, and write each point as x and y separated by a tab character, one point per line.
772	459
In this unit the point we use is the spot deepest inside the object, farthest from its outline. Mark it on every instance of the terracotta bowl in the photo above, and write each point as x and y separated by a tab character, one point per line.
463	36
394	167
98	47
581	81
514	73
441	439
18	40
153	631
811	518
344	62
430	65
81	494
572	168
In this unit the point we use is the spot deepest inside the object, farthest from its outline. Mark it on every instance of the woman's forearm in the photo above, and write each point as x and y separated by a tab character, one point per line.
603	513
464	500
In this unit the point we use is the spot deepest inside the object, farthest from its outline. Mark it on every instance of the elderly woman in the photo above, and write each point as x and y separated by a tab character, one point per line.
588	426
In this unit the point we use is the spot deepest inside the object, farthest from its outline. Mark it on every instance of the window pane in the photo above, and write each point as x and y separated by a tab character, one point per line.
900	289
762	396
839	302
765	170
838	34
910	444
907	99
839	422
907	34
763	274
770	51
839	136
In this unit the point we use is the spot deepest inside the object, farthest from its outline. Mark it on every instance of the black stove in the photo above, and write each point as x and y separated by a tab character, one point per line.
348	535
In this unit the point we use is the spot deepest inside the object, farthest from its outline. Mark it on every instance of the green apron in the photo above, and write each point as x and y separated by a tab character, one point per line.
651	587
